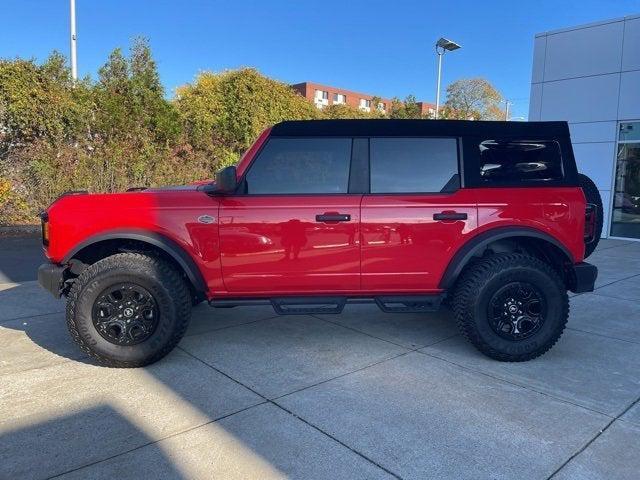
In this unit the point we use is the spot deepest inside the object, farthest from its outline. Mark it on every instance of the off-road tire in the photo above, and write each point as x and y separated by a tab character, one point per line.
159	278
593	196
482	279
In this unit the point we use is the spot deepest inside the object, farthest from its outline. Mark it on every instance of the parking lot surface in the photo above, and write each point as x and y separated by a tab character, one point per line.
364	394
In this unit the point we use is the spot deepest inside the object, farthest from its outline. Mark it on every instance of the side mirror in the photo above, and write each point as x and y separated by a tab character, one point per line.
226	180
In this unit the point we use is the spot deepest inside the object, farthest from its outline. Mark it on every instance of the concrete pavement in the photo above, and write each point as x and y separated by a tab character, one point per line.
359	395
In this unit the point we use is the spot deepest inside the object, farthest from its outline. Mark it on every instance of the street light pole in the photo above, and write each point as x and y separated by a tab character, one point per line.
74	59
442	45
440	54
506	109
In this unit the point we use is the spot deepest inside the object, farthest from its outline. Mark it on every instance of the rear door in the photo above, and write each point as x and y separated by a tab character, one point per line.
416	215
295	226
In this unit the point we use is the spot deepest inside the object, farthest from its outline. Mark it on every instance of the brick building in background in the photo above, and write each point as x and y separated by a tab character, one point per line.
324	95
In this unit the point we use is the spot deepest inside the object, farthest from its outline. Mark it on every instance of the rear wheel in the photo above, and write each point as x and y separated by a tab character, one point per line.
592	195
128	310
512	307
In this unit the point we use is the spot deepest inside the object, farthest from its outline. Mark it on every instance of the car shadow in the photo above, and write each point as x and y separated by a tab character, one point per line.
20	257
69	442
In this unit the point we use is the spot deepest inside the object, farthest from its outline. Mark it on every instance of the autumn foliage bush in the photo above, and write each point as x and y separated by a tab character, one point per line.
120	130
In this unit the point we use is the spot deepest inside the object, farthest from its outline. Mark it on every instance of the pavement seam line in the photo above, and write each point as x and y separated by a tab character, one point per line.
359	369
613	296
626	244
268	400
229	326
515	384
30	316
301	389
44	367
603	335
175	434
597	435
358	331
615	281
315	427
383	339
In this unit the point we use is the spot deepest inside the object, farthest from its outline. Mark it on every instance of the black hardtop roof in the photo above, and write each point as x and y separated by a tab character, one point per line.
409	128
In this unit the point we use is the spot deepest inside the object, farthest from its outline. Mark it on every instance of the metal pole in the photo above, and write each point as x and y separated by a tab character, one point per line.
506	110
438	87
74	60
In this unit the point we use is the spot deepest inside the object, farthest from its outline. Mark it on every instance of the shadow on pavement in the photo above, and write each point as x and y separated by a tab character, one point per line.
20	258
68	442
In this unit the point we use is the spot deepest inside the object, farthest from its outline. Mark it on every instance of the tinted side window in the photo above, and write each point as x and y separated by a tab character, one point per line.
509	161
413	164
301	165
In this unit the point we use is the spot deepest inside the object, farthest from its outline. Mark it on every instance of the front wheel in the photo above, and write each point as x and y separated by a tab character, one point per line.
511	307
128	310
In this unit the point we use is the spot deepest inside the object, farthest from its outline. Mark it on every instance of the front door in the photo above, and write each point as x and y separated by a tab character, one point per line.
415	217
295	227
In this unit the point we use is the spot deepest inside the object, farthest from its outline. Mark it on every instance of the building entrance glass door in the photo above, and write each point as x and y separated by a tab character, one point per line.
625	220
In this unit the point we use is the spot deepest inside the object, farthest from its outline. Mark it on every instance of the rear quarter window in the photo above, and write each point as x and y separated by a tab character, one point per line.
519	161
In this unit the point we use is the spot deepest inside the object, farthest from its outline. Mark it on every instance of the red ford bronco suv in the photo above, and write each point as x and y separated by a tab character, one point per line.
489	218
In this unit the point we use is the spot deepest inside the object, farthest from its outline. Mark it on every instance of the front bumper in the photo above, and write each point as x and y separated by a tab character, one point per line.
584	277
51	278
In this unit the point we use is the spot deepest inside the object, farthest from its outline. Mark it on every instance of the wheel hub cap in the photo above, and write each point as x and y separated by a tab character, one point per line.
516	311
125	314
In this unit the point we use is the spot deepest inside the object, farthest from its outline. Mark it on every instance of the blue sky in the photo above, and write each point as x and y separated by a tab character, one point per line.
377	47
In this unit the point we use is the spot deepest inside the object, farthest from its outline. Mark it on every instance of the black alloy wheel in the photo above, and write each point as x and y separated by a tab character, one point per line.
513	307
516	311
125	314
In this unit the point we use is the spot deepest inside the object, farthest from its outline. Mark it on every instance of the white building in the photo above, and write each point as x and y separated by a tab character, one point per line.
590	76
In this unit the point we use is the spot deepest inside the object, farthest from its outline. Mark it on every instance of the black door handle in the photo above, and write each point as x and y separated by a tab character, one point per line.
449	216
333	217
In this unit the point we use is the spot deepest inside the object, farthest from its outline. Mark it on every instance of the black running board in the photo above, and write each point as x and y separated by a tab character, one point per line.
329	305
409	303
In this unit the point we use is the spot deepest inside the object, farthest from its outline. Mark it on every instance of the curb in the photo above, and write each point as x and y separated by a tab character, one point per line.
19	231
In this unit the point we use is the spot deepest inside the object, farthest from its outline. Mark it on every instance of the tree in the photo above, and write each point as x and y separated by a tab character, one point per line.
157	114
144	70
223	113
37	102
375	111
408	108
343	111
130	98
473	99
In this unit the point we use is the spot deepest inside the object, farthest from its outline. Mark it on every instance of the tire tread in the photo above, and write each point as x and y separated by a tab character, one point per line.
466	294
131	261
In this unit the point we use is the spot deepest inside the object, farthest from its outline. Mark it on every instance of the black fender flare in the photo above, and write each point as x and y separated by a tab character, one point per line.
480	242
164	243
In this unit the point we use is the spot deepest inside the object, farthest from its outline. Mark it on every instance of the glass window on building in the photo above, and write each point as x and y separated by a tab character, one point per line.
365	104
339	98
625	221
